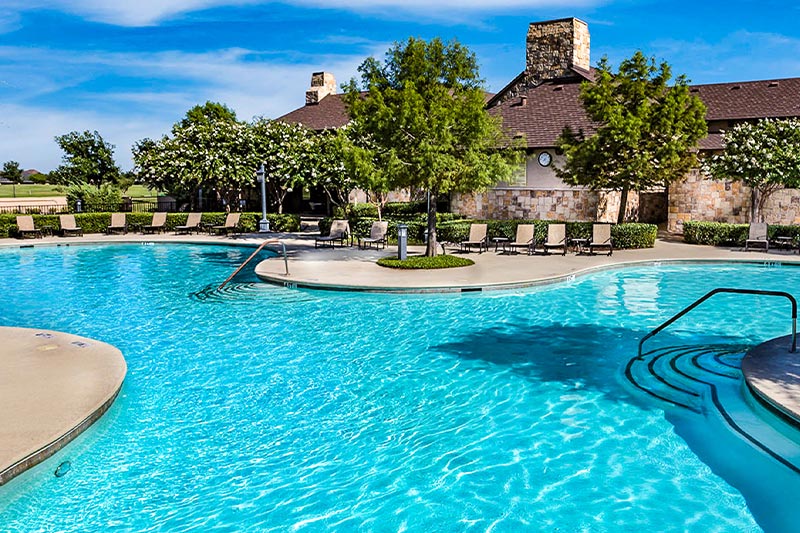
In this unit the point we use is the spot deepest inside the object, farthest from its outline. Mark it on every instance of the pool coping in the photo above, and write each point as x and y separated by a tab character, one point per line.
772	374
69	383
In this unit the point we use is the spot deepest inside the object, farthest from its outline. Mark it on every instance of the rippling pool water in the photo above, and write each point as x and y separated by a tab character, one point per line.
269	409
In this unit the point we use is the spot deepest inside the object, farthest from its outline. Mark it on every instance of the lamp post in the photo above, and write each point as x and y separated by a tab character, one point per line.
263	224
402	242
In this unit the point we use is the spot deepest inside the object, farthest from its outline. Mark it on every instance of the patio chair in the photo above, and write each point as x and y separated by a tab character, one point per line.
69	227
477	237
157	224
757	237
119	224
25	227
601	238
377	236
193	222
231	224
556	238
524	238
340	231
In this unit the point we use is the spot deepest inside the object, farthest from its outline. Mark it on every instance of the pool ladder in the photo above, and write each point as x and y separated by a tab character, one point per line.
260	247
729	291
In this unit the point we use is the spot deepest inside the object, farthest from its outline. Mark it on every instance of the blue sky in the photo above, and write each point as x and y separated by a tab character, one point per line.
131	71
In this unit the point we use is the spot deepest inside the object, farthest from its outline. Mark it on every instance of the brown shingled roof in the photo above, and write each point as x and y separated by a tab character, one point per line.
751	99
329	113
547	110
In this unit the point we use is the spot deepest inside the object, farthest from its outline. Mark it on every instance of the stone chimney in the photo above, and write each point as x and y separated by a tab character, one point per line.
554	47
322	84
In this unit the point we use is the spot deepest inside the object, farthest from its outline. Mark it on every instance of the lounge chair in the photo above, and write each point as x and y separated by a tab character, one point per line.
68	226
377	236
340	231
193	222
757	237
231	223
556	238
601	238
157	225
119	224
25	227
477	237
524	238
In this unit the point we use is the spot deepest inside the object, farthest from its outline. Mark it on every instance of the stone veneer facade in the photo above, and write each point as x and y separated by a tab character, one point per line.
552	49
322	84
700	198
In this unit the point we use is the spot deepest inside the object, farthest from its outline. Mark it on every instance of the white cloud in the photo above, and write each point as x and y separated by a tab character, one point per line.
151	12
177	81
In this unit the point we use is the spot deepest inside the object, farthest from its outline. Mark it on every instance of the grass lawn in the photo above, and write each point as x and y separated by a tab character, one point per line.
37	191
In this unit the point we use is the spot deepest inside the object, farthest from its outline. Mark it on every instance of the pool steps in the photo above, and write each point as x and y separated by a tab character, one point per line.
708	381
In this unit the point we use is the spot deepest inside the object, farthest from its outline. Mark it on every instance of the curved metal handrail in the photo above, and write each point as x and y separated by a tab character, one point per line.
733	291
260	247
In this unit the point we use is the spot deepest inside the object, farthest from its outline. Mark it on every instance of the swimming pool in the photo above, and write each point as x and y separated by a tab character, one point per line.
269	409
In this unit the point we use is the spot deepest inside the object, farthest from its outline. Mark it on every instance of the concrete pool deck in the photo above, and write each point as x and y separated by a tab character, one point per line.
73	390
53	386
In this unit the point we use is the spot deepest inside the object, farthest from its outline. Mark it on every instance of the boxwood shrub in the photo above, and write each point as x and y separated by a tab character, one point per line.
98	222
421	262
724	234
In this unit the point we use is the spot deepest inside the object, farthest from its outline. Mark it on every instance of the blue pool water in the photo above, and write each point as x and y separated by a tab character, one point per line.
269	409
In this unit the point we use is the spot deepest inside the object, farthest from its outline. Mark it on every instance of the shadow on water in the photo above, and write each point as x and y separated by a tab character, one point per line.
587	354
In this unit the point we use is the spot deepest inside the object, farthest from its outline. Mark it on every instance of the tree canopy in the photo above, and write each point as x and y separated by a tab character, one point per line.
209	149
422	116
646	129
87	159
764	155
11	172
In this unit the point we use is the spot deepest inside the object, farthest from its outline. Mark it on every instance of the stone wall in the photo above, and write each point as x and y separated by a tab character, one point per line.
513	203
322	84
700	198
553	47
608	206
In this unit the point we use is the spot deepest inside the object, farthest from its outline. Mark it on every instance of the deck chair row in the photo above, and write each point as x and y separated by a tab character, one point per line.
556	239
119	224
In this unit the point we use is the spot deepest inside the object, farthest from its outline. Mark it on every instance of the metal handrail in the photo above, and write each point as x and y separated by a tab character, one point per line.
260	247
733	291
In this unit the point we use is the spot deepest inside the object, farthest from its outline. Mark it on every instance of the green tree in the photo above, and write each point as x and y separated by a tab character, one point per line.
764	155
289	153
646	130
423	111
11	172
204	151
331	171
208	113
87	159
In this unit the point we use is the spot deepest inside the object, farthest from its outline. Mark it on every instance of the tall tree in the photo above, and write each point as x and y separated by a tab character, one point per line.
288	152
208	151
764	155
331	171
646	130
87	159
424	110
11	172
208	113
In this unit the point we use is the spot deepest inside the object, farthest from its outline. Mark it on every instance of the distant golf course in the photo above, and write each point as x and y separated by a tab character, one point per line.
28	190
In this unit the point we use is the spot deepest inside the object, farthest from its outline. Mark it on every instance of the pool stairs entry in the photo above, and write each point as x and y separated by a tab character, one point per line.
708	381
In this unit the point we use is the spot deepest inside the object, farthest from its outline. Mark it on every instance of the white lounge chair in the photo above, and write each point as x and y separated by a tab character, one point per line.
757	237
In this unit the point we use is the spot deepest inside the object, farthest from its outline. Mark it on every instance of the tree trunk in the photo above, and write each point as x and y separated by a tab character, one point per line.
431	250
623	205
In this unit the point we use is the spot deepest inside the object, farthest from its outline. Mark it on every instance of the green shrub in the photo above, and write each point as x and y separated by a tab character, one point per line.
633	235
715	233
422	262
103	198
724	234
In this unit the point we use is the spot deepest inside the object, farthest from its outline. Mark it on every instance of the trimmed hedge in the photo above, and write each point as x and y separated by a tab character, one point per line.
98	222
724	234
625	236
396	210
422	262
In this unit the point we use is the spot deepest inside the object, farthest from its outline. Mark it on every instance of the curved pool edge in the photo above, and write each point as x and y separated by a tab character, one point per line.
293	281
54	386
772	374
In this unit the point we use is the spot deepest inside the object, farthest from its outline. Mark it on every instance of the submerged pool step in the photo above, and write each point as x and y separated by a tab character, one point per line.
708	381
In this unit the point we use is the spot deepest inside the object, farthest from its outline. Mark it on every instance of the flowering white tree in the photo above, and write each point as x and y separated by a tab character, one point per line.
289	153
215	154
764	155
